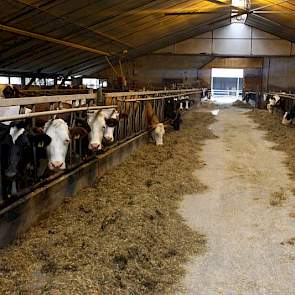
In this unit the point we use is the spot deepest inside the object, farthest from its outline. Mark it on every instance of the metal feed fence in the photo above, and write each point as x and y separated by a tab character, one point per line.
133	124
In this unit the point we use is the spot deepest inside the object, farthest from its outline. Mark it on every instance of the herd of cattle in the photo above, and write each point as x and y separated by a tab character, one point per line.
28	150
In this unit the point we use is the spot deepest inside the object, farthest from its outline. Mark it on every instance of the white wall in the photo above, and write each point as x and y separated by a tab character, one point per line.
234	40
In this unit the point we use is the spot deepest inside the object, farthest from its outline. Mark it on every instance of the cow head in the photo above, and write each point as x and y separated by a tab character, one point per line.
158	133
97	125
8	91
60	135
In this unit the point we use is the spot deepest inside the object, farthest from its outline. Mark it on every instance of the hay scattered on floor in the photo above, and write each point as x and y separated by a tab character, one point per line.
122	237
290	242
208	104
277	198
241	104
283	136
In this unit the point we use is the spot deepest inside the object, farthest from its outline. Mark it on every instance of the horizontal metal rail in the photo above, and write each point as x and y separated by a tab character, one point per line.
155	98
45	99
282	94
140	93
54	112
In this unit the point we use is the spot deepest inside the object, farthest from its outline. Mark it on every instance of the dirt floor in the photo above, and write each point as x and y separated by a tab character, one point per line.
247	212
124	236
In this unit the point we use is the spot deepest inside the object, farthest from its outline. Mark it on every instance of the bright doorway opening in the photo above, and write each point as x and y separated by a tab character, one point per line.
226	84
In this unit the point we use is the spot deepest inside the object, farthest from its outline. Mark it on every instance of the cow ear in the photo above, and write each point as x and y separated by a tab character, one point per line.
41	140
77	132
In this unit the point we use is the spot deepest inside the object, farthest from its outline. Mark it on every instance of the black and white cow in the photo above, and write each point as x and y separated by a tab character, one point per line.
20	150
289	116
273	101
172	113
185	103
251	98
205	94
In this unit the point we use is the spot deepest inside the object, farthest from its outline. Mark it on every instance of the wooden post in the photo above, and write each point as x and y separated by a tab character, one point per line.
100	97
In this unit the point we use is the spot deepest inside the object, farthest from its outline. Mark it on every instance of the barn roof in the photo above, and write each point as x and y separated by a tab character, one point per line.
74	37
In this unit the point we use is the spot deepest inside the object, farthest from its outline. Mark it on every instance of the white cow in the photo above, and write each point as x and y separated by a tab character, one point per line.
102	125
60	135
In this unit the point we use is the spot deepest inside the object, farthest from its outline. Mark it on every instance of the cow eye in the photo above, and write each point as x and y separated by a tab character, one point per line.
67	141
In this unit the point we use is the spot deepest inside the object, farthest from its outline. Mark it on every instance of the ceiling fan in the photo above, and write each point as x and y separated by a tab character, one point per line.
238	7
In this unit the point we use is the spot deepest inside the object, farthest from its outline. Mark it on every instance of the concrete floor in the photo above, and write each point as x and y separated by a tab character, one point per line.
250	248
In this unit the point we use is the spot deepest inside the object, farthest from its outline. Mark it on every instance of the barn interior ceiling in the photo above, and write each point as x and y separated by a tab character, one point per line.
74	37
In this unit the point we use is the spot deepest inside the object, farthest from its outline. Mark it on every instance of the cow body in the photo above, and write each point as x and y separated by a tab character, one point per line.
289	116
250	98
205	94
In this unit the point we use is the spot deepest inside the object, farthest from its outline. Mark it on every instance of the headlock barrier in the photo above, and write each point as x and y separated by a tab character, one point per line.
35	193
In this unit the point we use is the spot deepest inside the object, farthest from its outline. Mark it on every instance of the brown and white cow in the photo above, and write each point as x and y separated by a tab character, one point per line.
158	129
8	91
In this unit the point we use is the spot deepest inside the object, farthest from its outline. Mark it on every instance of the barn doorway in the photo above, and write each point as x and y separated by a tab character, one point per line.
227	84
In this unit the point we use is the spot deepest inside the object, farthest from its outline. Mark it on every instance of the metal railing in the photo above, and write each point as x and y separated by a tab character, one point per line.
221	92
135	122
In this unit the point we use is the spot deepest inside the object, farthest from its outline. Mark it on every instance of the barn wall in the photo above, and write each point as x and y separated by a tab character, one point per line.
151	71
279	73
236	39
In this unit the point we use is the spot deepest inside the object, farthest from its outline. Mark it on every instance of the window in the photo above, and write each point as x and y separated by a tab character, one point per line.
49	82
27	80
4	80
91	83
105	84
16	80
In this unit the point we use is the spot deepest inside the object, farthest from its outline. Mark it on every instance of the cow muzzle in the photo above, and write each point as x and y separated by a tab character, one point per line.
95	147
109	139
56	165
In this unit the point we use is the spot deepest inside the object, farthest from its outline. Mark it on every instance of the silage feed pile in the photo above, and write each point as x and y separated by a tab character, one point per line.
283	136
122	237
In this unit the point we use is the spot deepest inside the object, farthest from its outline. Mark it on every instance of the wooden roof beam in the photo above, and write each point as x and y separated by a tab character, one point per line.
52	40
